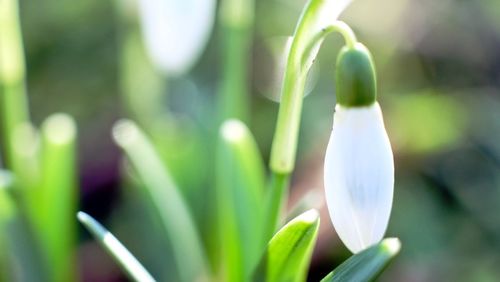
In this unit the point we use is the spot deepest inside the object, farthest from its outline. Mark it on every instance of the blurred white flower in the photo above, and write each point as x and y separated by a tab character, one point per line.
176	31
359	176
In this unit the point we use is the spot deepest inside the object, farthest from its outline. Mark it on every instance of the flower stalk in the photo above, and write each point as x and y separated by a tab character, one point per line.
236	17
13	100
287	128
310	33
316	22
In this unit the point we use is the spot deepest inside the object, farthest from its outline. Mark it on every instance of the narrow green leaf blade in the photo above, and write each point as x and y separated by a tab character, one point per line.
240	187
20	256
58	196
6	203
166	198
7	211
13	98
116	249
289	252
366	265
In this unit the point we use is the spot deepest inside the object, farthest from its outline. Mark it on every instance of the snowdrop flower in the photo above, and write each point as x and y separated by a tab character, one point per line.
359	166
175	31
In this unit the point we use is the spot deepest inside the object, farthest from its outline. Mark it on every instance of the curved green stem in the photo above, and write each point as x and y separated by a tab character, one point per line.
311	30
310	33
346	32
338	26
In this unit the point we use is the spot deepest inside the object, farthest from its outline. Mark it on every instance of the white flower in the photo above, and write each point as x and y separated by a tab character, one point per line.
176	31
359	176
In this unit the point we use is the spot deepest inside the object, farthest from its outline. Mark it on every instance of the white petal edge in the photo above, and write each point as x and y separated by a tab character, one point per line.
359	176
176	31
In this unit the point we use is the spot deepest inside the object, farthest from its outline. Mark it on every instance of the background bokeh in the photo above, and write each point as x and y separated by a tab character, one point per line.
439	80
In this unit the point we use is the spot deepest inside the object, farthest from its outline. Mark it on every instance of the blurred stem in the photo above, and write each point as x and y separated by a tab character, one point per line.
18	245
26	166
239	188
143	87
274	204
145	94
58	196
166	198
13	100
237	22
7	211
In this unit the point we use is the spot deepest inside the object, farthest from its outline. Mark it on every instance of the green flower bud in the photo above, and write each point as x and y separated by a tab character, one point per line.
356	77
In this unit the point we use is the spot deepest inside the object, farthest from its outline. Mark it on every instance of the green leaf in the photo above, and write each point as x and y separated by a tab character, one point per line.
7	211
240	185
366	265
166	198
289	252
20	256
58	196
6	203
109	242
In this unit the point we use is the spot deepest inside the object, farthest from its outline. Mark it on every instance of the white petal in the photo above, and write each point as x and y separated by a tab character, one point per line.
359	176
176	31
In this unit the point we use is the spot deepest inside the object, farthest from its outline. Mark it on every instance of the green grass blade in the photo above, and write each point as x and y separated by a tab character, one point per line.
122	256
7	211
166	199
6	203
240	188
289	252
366	265
20	256
58	196
13	100
26	167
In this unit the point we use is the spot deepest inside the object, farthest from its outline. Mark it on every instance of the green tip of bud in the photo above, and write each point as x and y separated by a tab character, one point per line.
356	77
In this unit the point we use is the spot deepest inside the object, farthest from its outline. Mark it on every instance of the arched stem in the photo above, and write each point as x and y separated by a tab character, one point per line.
311	30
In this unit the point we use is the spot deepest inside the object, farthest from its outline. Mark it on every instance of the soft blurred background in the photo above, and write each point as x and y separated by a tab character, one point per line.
439	81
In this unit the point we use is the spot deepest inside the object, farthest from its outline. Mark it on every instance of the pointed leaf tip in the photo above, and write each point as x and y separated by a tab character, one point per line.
289	252
366	265
84	218
309	216
115	248
392	245
81	216
233	130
